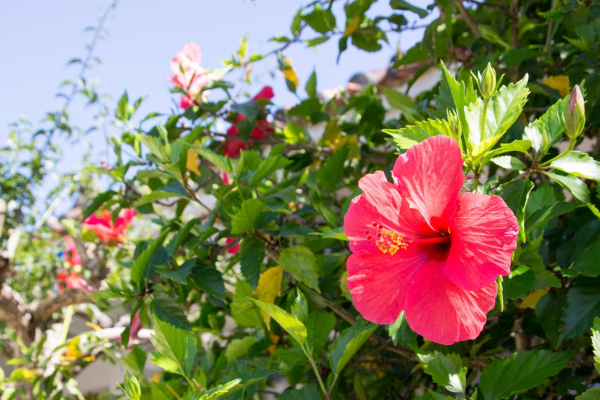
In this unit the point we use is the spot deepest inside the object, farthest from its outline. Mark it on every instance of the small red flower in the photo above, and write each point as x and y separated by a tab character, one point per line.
105	228
72	257
422	247
190	76
260	131
233	249
73	281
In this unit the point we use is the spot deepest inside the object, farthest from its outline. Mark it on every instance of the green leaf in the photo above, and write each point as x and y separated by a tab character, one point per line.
454	95
405	5
401	102
206	277
97	202
596	343
516	194
175	344
592	394
520	281
252	254
218	160
302	264
268	166
520	372
543	277
509	162
332	170
336	233
545	214
311	85
320	20
502	111
155	196
238	347
319	325
218	391
142	263
401	333
489	34
578	164
167	310
581	307
446	370
180	273
520	146
573	184
156	145
546	130
410	135
308	392
288	322
243	310
548	315
245	219
348	343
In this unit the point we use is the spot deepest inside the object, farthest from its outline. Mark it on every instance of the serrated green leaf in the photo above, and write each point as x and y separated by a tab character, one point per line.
405	5
410	135
319	325
142	262
502	111
245	219
592	394
348	343
509	162
520	282
581	307
155	196
596	343
268	166
545	214
520	372
167	310
573	184
302	263
445	370
180	273
546	130
173	343
238	347
243	310
288	322
218	160
206	277
578	164
321	20
311	85
252	254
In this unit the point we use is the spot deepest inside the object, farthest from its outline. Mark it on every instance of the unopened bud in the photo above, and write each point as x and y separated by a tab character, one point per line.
131	387
455	125
574	114
487	82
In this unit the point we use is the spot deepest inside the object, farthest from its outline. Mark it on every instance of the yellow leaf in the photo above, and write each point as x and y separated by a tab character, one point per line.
275	340
29	373
560	83
352	26
353	146
269	288
289	73
193	160
343	283
248	70
532	298
155	378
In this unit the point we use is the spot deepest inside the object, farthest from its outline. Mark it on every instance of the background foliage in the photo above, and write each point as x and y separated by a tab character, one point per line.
229	321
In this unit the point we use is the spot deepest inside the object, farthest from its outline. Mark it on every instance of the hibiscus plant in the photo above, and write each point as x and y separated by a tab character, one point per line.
374	243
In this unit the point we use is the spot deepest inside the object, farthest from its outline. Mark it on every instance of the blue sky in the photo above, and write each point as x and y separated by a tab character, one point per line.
39	37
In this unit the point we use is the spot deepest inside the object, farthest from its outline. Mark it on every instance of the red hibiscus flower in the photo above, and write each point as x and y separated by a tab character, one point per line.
260	131
105	228
72	257
422	247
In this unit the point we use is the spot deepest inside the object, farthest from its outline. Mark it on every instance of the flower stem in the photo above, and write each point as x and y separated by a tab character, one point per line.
571	147
316	370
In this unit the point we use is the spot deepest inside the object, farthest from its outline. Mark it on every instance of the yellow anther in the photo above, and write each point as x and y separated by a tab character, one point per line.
391	242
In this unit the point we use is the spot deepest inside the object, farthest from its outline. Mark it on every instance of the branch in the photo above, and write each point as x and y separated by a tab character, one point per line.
56	302
14	313
467	18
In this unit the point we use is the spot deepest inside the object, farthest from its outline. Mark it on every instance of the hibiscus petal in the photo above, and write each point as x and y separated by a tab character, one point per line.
429	176
484	235
378	282
380	205
442	312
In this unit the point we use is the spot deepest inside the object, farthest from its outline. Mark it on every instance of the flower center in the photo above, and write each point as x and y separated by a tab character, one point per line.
390	241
